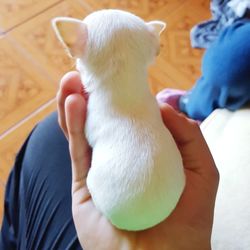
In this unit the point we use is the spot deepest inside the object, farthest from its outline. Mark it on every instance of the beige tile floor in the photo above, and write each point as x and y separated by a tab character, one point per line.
32	61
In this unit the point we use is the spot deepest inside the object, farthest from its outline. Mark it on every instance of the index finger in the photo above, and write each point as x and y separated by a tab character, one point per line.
190	141
70	84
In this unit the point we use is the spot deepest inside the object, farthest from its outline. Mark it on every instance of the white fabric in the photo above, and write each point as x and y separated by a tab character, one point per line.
228	136
239	6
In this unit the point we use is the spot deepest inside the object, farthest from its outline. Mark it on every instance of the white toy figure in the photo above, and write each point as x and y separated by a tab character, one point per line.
136	175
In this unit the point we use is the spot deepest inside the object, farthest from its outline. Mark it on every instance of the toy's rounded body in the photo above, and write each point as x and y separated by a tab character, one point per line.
136	175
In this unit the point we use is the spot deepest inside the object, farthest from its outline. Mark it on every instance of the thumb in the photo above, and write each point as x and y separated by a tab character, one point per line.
75	112
191	143
183	130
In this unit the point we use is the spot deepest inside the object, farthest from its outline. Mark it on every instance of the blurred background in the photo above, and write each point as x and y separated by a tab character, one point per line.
32	61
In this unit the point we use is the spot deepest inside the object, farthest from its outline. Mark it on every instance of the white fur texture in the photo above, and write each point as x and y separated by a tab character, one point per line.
136	175
228	136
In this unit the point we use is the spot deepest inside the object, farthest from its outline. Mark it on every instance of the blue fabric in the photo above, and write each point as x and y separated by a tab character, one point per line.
205	33
37	206
225	81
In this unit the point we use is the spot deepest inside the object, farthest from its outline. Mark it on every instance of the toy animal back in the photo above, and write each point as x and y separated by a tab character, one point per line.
136	175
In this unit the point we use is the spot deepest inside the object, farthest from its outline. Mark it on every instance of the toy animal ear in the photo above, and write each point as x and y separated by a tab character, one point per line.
156	27
72	33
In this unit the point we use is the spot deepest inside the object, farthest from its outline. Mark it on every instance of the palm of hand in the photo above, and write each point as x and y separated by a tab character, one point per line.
189	224
188	227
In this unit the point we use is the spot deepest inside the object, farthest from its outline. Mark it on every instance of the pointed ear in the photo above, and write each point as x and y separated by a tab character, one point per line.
156	27
72	33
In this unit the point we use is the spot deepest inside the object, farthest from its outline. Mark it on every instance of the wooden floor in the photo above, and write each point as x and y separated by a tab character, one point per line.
32	61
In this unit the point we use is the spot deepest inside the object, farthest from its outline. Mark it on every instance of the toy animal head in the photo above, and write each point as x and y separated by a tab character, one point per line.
109	39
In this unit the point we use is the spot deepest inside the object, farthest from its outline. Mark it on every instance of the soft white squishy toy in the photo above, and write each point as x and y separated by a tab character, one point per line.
136	176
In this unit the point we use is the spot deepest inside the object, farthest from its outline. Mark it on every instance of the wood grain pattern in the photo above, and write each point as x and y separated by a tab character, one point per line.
2	189
144	8
38	39
22	86
13	13
178	56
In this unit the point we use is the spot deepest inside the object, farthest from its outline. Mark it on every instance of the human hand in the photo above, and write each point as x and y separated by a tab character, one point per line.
189	225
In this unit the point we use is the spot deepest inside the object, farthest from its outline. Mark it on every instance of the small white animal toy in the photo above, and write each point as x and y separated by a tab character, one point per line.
136	175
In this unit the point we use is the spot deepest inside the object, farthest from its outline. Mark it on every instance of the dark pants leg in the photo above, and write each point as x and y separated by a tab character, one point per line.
225	81
38	194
